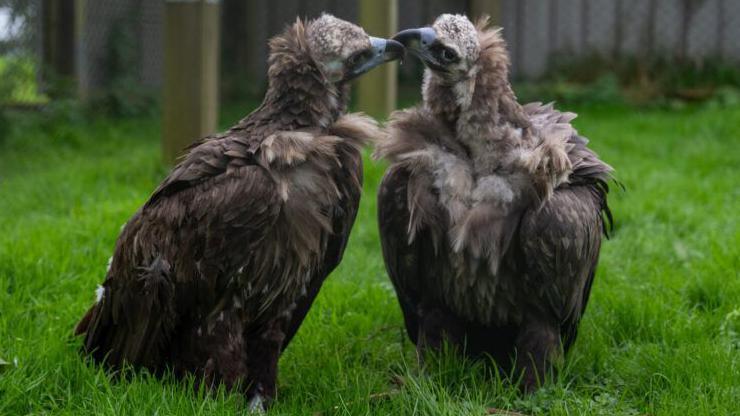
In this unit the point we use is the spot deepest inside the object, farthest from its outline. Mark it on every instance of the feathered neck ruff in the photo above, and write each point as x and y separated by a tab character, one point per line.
485	95
296	87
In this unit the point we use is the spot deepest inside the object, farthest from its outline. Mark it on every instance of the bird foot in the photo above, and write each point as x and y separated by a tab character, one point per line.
256	405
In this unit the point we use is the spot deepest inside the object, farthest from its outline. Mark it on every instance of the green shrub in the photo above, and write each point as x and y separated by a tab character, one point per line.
603	90
19	86
642	80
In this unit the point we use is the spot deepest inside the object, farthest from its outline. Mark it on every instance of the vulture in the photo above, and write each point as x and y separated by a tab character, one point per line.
491	213
214	274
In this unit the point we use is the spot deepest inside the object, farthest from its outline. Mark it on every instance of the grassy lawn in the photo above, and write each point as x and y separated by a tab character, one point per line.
661	335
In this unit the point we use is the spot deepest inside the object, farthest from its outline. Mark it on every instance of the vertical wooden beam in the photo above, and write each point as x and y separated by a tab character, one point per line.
191	53
479	8
377	90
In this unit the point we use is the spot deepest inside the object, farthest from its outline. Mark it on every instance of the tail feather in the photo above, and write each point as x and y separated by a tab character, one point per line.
84	323
132	325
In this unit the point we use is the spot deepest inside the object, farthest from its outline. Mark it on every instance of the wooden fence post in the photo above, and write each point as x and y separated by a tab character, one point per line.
377	90
191	53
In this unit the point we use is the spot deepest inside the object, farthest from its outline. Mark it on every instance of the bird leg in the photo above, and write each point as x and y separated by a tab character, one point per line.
263	352
220	339
537	347
437	327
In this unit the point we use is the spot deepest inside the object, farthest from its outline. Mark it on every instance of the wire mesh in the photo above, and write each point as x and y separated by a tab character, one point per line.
124	38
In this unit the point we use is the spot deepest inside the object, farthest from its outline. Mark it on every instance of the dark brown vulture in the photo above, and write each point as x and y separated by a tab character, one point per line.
491	212
216	272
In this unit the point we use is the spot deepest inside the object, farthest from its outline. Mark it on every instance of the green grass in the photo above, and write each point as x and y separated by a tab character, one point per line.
659	336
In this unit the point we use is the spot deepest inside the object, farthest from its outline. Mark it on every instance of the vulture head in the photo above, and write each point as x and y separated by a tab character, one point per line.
450	47
343	51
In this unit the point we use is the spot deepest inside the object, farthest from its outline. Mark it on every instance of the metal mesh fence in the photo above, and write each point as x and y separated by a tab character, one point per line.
117	39
693	31
246	28
121	39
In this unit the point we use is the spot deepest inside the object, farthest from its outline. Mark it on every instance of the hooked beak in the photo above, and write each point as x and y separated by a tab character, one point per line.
419	42
381	51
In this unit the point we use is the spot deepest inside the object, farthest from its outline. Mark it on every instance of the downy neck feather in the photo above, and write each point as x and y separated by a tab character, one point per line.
298	94
481	108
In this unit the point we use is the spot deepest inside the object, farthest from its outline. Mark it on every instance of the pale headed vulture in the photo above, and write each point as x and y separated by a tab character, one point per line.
491	213
216	272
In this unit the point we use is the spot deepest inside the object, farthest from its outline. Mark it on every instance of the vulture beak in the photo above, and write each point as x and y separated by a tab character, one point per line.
380	52
420	42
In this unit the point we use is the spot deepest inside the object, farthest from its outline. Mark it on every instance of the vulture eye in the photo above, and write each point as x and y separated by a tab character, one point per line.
356	59
447	55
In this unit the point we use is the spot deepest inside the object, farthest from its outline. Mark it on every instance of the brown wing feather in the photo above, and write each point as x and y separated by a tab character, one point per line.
561	243
412	262
171	258
206	159
402	259
209	222
349	181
